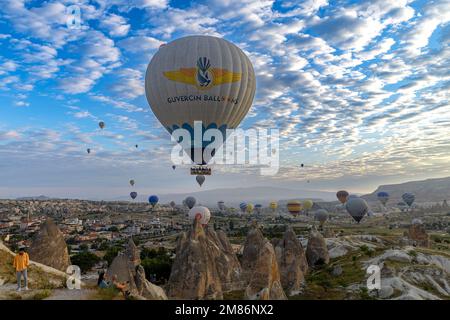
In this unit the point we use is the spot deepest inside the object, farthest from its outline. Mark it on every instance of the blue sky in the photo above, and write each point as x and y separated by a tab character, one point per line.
358	89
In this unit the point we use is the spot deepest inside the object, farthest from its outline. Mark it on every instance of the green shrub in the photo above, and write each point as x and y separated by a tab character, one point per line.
85	260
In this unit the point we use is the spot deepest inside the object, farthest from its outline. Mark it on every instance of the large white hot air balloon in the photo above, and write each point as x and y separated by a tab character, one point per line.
200	78
201	213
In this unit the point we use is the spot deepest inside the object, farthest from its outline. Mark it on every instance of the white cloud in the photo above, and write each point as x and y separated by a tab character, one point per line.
116	25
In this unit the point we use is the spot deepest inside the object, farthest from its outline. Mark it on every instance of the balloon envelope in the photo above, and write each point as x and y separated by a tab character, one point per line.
408	198
201	213
190	202
172	204
342	196
249	208
132	182
153	200
221	205
294	207
321	215
383	197
243	206
101	124
307	204
200	180
133	195
357	208
273	205
200	78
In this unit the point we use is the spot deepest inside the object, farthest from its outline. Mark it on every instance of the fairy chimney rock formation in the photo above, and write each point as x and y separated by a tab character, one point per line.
49	247
292	262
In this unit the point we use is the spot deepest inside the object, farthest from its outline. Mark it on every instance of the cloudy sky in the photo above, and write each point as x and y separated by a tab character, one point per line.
358	89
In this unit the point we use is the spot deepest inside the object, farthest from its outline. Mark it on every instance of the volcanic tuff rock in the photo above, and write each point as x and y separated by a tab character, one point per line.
418	236
260	268
126	267
292	262
316	250
265	282
49	247
205	265
252	246
227	263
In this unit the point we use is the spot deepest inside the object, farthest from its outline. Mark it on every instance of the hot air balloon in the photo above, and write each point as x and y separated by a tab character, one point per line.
294	207
88	150
357	208
249	208
307	205
200	78
172	204
200	180
243	207
221	205
133	195
136	146
132	182
153	200
273	205
190	202
258	208
173	167
383	197
321	215
101	124
342	196
200	213
302	165
402	206
408	198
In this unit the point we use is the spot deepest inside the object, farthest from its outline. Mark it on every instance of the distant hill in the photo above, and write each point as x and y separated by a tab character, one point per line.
430	190
234	196
34	198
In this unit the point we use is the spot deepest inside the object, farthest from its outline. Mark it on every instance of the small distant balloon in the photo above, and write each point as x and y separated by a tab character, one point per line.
132	182
136	146
302	165
172	204
133	195
101	124
153	200
383	197
200	180
190	202
221	205
249	208
88	150
174	167
342	196
294	207
321	215
307	204
258	208
273	205
243	207
408	198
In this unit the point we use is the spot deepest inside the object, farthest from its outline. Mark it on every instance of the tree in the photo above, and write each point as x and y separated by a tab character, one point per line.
85	260
111	253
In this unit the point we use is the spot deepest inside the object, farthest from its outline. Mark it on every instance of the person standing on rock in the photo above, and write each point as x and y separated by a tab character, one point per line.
21	261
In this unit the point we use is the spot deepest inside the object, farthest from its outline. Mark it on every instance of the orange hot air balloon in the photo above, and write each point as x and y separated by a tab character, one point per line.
342	196
294	207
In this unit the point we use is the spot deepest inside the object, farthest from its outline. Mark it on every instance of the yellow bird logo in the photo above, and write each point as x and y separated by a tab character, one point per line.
203	76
